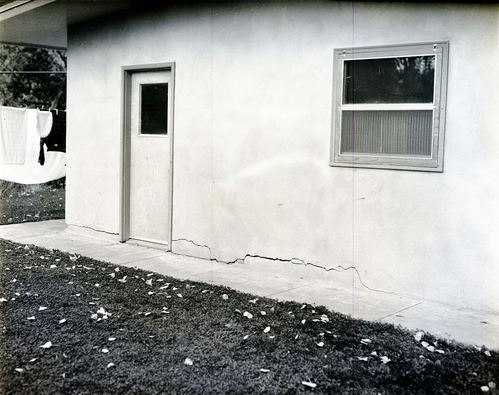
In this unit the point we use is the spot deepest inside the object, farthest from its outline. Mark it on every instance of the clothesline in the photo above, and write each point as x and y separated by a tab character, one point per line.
33	72
37	108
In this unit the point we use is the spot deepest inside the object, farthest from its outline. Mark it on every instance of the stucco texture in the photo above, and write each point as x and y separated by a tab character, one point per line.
252	134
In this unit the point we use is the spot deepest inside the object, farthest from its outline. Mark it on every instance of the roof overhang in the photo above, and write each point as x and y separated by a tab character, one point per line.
45	22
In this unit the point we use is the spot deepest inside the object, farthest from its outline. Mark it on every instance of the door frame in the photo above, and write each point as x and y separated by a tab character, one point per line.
125	143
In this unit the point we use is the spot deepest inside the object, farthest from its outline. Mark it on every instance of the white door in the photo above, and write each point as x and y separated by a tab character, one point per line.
150	134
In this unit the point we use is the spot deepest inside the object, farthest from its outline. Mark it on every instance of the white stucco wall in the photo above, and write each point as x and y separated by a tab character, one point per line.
252	136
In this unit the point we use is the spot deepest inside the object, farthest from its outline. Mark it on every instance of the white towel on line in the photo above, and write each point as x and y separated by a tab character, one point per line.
13	135
44	123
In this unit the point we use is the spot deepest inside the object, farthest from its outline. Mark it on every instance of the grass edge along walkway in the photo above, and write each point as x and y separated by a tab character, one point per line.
75	325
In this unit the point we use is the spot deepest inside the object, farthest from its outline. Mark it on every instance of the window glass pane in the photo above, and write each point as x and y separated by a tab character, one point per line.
390	80
387	132
153	108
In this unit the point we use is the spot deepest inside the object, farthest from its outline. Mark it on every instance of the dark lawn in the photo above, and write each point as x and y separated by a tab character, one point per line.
30	203
127	331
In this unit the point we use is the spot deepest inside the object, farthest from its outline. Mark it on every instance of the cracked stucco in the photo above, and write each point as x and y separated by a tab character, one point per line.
295	261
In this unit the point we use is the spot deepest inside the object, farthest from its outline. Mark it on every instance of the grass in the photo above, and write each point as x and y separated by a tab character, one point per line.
117	330
29	203
152	327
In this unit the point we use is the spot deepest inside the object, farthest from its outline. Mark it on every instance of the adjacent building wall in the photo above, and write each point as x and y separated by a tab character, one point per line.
252	136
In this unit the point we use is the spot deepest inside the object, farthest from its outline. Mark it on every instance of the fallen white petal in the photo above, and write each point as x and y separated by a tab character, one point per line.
148	313
253	300
112	339
32	359
430	348
3	300
264	370
362	358
263	313
440	351
41	308
179	295
374	353
366	341
62	321
110	365
93	316
492	385
105	350
487	353
385	359
225	296
303	321
320	344
418	336
248	314
485	388
20	370
46	345
266	330
188	362
425	344
245	337
309	384
149	282
31	318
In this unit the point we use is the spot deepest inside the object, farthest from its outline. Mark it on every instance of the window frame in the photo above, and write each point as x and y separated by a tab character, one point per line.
434	163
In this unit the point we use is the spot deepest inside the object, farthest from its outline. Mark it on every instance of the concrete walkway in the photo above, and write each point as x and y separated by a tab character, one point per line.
339	291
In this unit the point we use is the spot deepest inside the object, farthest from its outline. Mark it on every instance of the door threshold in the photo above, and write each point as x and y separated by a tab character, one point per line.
157	245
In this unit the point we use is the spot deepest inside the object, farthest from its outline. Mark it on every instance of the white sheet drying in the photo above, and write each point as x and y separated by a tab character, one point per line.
31	172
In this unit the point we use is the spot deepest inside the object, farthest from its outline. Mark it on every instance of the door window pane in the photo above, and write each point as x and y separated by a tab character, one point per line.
154	109
389	80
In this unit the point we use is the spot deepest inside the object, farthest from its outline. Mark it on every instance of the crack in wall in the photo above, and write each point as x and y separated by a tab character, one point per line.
295	261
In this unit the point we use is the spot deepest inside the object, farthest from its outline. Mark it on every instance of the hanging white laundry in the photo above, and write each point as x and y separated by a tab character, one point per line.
13	135
31	172
44	123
